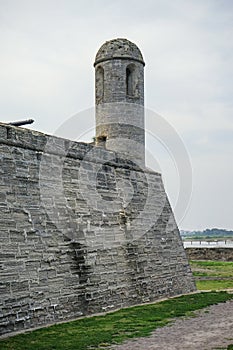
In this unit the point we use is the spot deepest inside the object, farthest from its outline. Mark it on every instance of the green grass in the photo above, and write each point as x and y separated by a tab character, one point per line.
98	332
213	275
214	285
90	333
214	268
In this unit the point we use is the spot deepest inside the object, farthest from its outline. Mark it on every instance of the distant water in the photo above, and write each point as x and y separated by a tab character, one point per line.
208	244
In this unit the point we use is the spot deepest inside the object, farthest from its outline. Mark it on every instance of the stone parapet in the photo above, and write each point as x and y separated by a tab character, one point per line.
81	231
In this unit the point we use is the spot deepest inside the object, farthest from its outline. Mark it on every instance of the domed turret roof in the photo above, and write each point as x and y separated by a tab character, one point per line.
118	48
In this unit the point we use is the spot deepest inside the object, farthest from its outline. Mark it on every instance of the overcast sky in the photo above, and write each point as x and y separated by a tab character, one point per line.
46	73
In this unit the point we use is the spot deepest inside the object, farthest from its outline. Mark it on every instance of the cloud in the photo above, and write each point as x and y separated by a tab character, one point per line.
47	54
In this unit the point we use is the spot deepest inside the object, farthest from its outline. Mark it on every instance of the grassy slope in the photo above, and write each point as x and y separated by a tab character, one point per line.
213	275
219	274
89	333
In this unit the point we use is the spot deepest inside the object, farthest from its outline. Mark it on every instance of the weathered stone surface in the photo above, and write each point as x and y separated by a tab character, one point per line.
119	70
85	229
118	48
222	254
71	243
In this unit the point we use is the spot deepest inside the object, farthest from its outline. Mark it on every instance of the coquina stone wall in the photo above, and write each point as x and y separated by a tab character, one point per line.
221	254
81	231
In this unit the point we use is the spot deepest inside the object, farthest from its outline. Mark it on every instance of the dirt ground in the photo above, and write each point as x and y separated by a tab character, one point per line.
212	328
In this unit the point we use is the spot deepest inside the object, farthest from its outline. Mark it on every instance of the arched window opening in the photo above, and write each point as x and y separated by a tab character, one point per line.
130	80
99	87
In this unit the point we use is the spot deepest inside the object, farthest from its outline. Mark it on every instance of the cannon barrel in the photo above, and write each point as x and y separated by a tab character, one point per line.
22	122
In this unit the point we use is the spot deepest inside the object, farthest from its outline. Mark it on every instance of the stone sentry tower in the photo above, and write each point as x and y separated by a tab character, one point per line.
83	229
119	88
